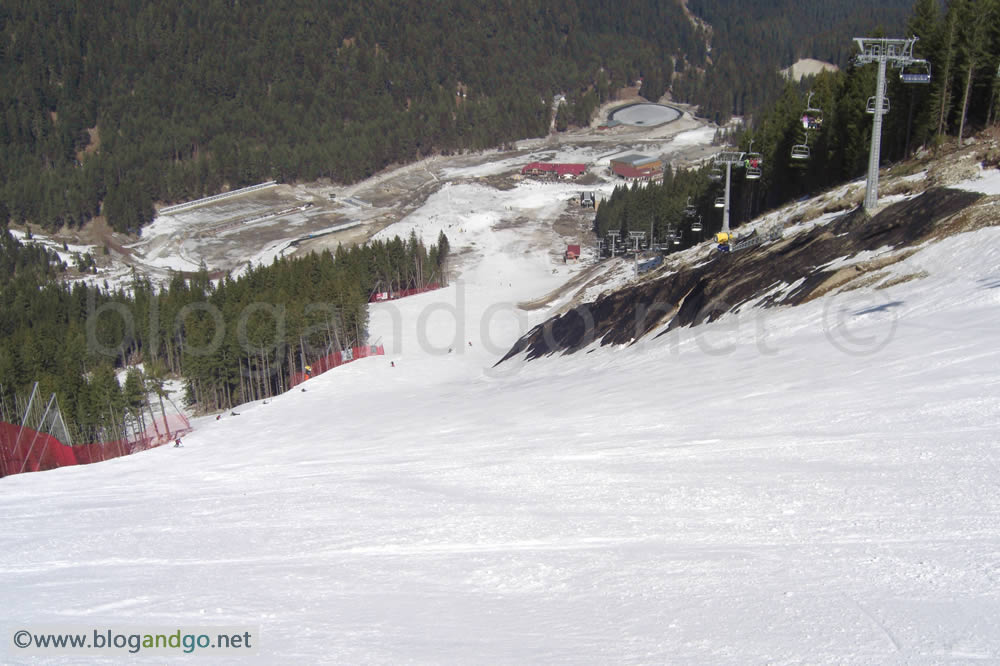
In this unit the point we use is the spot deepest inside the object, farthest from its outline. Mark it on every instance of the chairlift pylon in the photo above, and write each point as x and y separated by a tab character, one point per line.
870	108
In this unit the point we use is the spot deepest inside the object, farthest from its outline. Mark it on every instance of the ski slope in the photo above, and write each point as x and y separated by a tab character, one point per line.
815	484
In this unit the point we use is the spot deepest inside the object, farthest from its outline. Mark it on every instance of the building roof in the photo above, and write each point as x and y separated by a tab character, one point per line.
561	169
627	171
635	159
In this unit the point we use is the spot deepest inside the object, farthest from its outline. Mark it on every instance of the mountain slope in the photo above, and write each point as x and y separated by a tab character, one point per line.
811	484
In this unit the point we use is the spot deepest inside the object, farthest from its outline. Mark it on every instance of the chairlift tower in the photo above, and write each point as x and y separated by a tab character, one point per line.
636	237
613	237
898	53
729	158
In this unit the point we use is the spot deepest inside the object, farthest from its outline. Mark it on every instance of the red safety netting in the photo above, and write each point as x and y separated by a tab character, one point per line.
333	360
27	450
380	296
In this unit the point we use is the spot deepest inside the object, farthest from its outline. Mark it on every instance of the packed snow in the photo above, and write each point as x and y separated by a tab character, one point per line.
814	484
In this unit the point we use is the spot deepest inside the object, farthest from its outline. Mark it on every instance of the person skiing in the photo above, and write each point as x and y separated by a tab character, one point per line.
177	442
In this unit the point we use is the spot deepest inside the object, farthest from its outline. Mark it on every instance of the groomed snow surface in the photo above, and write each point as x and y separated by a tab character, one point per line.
815	484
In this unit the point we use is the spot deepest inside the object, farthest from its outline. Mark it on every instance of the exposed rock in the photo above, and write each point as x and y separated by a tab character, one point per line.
730	281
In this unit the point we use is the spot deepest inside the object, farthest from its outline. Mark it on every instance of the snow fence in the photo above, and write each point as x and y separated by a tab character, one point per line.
331	361
26	450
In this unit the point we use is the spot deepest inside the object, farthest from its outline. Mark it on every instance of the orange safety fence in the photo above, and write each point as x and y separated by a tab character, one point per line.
380	296
27	450
331	361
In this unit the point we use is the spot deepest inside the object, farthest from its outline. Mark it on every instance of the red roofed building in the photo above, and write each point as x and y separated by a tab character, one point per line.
552	169
637	167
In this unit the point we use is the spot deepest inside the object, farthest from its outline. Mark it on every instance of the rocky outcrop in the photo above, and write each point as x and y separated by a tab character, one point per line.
730	281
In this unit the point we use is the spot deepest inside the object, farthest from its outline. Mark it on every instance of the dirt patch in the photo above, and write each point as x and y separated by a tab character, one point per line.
579	281
852	273
919	275
516	223
93	144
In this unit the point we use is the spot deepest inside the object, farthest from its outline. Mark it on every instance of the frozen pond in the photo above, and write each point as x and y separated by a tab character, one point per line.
645	115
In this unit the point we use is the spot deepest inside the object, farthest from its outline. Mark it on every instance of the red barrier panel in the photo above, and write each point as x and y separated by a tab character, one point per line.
26	450
331	361
380	296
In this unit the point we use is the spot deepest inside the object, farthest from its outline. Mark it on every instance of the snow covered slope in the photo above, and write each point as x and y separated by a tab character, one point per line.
814	484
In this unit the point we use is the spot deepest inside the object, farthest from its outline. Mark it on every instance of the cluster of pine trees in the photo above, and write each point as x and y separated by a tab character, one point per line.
752	42
962	44
109	108
236	340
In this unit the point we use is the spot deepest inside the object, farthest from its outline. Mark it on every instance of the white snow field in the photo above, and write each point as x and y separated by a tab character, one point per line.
818	484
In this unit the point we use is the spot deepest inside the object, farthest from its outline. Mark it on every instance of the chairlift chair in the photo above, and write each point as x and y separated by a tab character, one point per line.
918	71
690	210
800	151
812	116
720	202
715	174
753	161
696	226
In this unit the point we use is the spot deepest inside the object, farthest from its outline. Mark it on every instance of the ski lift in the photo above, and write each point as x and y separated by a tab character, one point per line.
800	151
753	161
812	117
715	174
720	202
696	226
871	105
918	71
689	209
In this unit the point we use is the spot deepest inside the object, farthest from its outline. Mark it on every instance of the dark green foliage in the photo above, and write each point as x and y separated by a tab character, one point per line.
108	107
751	42
659	207
233	341
962	51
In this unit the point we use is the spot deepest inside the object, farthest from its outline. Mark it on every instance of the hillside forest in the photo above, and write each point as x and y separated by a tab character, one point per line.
961	43
233	340
113	110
